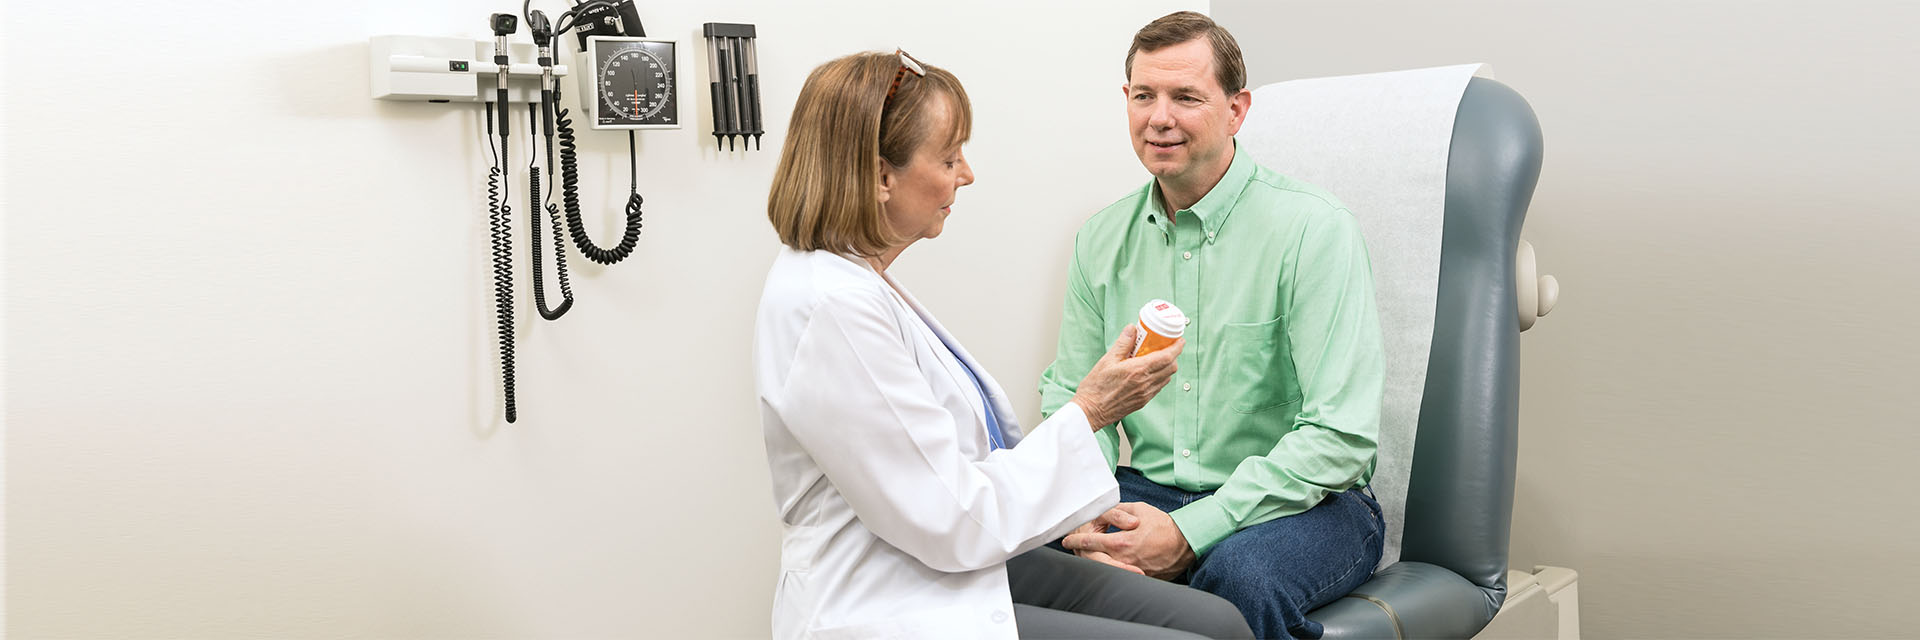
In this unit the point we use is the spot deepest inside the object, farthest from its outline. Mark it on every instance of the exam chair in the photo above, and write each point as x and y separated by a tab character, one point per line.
1451	578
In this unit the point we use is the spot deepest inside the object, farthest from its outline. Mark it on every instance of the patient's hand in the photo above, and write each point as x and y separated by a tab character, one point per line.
1154	544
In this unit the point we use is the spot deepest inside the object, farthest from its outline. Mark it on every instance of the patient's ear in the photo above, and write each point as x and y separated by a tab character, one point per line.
883	185
1238	105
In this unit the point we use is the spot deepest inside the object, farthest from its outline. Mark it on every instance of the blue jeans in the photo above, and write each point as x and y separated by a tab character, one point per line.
1277	571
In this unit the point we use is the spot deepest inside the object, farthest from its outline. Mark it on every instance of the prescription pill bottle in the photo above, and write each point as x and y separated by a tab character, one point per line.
1161	323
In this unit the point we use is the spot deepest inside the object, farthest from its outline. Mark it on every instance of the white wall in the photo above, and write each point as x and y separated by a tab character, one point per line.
252	388
1716	423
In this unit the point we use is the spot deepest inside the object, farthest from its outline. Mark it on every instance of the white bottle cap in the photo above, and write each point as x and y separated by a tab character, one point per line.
1161	317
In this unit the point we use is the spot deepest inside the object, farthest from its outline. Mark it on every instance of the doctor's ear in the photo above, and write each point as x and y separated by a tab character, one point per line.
884	183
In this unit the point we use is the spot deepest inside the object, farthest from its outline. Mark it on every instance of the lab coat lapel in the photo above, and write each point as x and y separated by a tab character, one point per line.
940	339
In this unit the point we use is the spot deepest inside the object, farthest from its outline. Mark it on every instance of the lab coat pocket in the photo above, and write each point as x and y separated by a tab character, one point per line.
798	546
791	599
793	602
1258	366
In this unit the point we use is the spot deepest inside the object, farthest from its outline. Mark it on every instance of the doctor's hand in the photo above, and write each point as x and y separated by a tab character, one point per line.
1115	517
1154	545
1119	385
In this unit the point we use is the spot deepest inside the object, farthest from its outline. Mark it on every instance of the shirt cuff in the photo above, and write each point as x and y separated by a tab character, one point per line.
1074	413
1204	522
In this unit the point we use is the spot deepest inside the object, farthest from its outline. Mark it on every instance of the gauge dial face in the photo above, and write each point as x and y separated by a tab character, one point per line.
636	84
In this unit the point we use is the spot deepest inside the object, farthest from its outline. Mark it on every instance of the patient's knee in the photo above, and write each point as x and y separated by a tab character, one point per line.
1240	581
1214	617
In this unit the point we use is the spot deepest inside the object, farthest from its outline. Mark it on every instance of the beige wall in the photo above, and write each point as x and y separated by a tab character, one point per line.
1717	422
252	388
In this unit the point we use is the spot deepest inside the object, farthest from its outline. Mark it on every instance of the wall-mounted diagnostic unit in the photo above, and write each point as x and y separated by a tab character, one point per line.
628	81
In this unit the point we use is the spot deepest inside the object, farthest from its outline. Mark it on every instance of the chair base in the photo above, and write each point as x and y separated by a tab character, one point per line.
1542	604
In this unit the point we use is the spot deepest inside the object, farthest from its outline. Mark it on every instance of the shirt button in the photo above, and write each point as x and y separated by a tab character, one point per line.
1188	255
999	617
1186	453
1189	319
1186	386
1209	235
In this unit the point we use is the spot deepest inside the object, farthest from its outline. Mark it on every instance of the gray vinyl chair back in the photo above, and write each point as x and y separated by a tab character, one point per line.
1451	577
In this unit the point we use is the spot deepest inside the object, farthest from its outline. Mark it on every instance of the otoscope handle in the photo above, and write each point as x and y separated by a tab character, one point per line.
501	97
547	102
500	60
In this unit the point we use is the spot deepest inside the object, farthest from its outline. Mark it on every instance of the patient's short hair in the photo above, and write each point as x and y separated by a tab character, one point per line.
825	194
1185	26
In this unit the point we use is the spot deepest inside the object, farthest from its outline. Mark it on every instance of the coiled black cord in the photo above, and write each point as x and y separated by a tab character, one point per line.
501	239
570	194
533	217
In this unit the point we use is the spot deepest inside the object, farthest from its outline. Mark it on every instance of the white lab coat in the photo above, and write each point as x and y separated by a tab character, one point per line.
898	520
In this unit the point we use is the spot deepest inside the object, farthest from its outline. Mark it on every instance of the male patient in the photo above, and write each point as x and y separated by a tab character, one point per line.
1247	472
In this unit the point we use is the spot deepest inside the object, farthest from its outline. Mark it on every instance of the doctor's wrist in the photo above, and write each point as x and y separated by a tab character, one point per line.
1098	417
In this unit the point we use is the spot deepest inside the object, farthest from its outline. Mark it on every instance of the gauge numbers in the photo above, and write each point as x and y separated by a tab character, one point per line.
634	83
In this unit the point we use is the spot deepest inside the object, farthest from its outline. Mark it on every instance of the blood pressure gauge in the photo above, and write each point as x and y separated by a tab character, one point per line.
633	84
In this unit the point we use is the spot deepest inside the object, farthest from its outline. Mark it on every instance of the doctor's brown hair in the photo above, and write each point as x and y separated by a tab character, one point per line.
825	194
1181	27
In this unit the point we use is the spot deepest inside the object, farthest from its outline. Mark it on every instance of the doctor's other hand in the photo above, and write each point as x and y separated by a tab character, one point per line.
1116	518
1119	385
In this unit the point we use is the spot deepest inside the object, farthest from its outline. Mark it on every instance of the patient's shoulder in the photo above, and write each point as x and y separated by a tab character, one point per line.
1270	189
1122	211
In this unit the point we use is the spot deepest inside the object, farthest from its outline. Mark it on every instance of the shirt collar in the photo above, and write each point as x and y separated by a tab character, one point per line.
1213	208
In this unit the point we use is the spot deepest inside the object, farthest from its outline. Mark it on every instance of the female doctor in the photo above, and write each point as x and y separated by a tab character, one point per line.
914	504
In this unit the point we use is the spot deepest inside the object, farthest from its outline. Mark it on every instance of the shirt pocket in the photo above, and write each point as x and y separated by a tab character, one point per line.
1259	366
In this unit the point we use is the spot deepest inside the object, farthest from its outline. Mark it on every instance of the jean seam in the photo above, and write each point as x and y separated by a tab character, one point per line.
1368	543
1365	544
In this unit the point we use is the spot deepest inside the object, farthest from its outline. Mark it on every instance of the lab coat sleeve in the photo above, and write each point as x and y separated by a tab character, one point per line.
858	403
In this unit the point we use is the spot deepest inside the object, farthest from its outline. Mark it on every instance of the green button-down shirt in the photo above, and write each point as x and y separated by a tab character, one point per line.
1277	400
